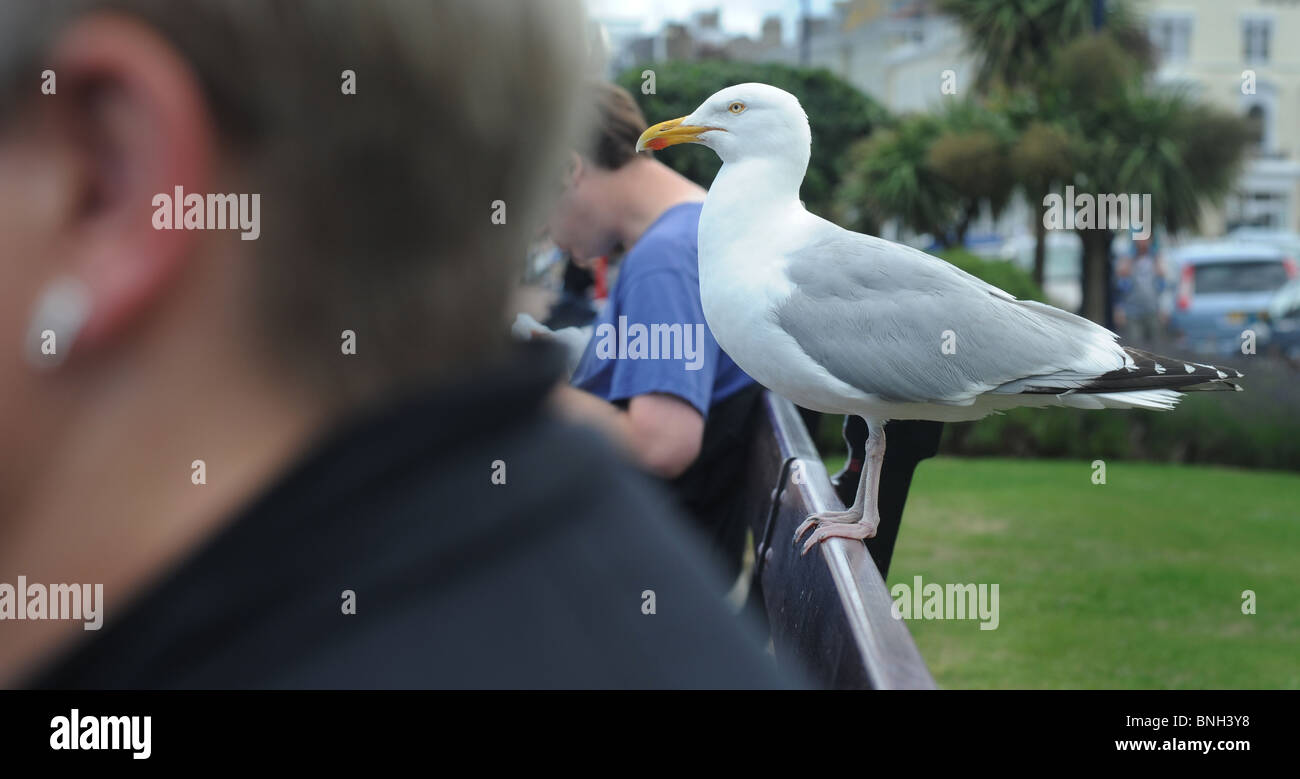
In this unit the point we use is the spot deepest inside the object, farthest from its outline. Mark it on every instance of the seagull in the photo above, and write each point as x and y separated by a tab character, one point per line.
846	323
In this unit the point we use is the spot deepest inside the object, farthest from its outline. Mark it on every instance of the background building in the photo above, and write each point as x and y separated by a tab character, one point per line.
1213	47
1231	54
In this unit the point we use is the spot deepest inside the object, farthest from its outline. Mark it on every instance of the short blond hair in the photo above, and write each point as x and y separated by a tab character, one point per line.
377	206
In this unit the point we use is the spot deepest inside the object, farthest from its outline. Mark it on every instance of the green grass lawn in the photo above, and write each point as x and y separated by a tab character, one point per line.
1136	583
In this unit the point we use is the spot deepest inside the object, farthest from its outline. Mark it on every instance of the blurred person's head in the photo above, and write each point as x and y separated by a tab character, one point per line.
585	218
376	211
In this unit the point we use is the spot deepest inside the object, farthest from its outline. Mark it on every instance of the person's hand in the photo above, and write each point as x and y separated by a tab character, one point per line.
526	328
573	339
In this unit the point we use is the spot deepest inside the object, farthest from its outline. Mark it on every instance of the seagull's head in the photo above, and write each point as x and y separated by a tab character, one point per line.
740	122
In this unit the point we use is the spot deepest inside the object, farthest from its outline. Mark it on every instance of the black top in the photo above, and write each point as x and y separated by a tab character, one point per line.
458	582
709	489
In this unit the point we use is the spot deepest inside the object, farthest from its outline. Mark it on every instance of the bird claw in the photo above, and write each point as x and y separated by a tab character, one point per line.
856	528
825	516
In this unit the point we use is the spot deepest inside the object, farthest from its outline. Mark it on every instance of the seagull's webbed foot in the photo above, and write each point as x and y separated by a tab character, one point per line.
856	527
862	518
863	528
850	515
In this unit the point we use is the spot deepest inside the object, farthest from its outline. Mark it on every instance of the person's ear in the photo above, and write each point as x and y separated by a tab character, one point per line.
133	116
576	169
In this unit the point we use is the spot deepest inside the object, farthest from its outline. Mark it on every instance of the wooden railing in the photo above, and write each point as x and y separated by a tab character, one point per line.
829	612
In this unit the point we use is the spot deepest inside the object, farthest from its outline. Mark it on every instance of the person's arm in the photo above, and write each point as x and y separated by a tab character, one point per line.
661	433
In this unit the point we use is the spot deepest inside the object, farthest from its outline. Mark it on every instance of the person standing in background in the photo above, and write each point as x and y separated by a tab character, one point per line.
1144	284
686	418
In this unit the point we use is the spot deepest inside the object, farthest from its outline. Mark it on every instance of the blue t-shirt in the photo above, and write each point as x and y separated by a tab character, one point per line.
652	336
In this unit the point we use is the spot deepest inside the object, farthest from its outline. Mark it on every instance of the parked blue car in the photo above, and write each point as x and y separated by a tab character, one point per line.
1224	288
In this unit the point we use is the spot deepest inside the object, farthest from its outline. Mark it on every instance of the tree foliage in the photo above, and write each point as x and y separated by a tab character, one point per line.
1014	40
931	172
1088	115
889	176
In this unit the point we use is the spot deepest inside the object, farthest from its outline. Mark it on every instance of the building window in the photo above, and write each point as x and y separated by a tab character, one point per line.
1256	39
1260	111
1255	118
1172	37
1259	208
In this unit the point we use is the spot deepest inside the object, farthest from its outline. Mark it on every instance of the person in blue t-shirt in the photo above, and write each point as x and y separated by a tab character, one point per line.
652	376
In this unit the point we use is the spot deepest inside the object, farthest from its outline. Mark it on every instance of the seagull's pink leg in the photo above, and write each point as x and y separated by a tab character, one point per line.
851	515
862	518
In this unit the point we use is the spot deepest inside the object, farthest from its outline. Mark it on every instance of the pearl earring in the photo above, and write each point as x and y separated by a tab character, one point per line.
57	319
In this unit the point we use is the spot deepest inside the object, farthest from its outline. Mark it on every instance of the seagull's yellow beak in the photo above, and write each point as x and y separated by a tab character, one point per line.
670	133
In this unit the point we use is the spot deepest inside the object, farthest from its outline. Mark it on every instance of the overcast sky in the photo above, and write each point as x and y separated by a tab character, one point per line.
741	17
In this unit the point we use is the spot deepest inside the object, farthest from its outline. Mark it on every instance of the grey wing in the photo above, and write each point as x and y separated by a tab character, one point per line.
907	326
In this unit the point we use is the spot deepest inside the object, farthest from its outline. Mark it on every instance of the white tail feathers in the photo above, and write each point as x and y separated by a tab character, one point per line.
1154	399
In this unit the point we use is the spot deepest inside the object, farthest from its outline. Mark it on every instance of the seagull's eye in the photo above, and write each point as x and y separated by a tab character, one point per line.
736	107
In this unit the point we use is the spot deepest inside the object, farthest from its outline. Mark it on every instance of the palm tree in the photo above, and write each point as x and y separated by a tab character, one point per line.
971	155
1136	138
1094	121
1014	40
1042	160
889	177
